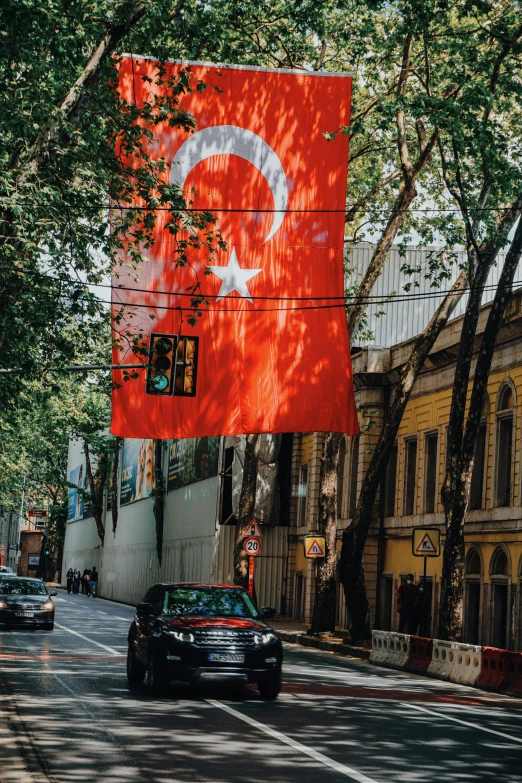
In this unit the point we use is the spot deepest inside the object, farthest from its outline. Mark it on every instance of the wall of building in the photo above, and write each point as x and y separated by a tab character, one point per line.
488	529
128	561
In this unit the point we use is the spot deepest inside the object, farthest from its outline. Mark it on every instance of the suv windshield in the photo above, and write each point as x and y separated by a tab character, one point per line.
201	602
21	587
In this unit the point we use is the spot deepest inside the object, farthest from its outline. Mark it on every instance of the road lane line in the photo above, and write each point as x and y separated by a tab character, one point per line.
464	722
314	754
98	644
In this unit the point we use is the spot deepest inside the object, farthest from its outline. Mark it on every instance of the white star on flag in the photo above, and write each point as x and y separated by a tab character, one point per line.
234	278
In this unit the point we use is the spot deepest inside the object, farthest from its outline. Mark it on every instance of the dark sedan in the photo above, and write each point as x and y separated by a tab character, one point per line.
183	631
26	601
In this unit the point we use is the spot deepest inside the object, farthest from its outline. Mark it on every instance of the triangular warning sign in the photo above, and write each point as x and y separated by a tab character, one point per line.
426	546
315	548
253	531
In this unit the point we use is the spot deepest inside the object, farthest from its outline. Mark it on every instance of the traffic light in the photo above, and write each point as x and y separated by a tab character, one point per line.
173	364
160	372
186	367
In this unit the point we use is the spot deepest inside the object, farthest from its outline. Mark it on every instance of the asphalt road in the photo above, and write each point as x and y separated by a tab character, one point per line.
65	697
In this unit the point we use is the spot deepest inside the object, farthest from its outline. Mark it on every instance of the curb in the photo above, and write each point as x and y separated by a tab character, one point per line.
323	644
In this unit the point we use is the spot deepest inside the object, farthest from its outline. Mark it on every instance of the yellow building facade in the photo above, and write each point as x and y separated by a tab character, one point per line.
411	487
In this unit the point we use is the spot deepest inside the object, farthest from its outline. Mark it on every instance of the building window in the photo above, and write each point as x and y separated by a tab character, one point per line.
390	482
410	471
476	491
472	597
499	578
302	495
354	471
504	448
430	473
341	466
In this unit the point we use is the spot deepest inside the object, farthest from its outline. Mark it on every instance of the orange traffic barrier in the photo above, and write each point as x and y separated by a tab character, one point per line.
493	676
513	682
421	651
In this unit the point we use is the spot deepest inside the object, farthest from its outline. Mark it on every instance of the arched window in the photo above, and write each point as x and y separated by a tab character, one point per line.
473	563
341	467
504	446
476	492
499	563
499	571
472	597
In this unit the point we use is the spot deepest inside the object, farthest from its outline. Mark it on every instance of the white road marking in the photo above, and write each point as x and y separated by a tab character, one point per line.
314	754
464	722
86	638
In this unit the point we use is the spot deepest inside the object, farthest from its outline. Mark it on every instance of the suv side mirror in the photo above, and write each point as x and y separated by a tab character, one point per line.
146	608
268	612
53	593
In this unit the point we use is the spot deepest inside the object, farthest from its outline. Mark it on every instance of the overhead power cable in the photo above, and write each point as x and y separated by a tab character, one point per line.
348	208
345	298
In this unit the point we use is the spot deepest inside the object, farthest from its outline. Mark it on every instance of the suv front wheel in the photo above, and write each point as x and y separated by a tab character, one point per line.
156	681
269	690
135	671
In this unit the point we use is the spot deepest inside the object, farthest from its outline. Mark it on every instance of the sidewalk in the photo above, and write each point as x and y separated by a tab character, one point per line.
295	632
14	768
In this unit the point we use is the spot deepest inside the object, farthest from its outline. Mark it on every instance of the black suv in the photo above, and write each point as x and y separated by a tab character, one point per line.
181	631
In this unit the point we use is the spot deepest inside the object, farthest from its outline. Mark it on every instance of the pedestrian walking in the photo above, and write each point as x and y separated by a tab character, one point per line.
424	609
86	580
407	595
76	581
70	577
94	582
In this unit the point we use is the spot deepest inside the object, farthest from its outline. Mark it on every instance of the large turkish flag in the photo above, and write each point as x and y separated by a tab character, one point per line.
274	353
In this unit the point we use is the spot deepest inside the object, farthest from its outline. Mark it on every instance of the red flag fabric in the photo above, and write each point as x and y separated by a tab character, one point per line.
274	353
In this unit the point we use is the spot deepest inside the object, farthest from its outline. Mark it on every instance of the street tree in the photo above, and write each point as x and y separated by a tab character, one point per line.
468	88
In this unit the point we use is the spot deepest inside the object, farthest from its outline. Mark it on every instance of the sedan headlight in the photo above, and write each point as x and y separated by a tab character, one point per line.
48	605
3	605
265	638
181	636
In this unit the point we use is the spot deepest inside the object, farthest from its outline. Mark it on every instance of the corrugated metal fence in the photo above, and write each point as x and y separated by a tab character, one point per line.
270	566
126	572
405	318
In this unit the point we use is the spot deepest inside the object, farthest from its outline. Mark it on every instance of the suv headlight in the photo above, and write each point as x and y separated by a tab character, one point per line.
181	636
48	605
3	604
265	638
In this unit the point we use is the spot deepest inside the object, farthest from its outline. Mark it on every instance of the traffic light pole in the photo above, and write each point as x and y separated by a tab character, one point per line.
81	368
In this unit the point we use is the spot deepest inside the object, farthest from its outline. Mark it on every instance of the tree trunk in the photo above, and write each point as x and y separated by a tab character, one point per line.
247	502
354	537
324	614
114	483
452	580
159	496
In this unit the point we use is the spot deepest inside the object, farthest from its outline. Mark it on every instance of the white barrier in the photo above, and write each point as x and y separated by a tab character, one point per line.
443	660
467	663
390	649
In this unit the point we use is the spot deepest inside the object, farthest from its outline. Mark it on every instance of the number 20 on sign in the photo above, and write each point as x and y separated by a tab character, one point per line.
252	546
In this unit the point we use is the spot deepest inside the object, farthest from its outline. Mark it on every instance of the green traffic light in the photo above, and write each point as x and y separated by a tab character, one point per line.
160	382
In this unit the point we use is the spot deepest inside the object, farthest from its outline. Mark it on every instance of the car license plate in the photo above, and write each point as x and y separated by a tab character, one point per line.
226	658
24	614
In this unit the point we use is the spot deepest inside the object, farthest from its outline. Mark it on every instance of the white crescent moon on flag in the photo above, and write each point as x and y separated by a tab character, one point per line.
231	140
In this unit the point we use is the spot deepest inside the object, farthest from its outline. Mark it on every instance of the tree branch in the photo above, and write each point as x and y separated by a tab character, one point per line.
71	107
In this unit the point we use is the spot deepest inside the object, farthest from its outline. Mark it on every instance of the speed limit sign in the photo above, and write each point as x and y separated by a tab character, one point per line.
252	546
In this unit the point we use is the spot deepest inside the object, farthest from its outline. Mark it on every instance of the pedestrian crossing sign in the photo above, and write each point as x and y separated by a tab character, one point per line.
426	542
315	546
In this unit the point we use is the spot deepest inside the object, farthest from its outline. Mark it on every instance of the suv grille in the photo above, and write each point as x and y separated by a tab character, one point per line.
223	638
25	607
